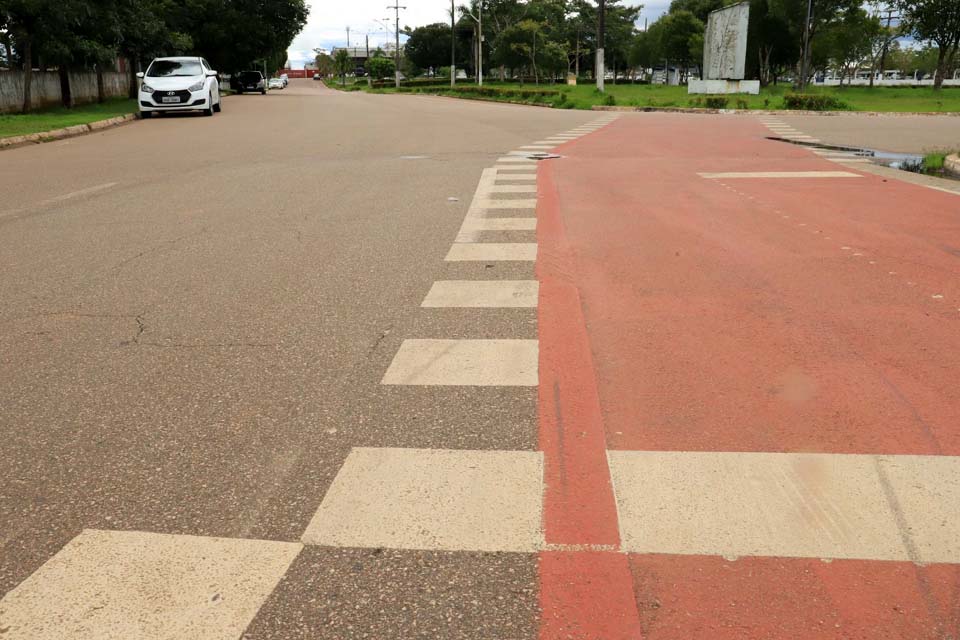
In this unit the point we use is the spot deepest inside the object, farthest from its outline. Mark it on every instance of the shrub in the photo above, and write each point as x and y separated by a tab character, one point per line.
813	102
696	102
716	102
742	104
609	100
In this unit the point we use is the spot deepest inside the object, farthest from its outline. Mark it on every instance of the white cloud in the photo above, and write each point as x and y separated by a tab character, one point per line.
328	22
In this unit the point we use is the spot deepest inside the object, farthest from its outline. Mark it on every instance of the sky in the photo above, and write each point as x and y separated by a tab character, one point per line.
328	22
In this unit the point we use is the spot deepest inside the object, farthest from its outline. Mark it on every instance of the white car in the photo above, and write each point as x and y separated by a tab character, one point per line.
179	84
285	78
275	83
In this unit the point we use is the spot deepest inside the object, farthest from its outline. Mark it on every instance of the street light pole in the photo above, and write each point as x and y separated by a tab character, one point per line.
479	20
453	45
600	70
804	64
396	74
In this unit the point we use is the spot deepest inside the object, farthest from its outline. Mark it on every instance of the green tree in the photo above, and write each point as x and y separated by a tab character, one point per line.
429	46
342	64
937	22
677	32
380	66
849	41
643	51
324	64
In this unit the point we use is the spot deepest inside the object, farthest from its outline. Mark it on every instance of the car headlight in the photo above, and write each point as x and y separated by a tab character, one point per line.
196	87
146	88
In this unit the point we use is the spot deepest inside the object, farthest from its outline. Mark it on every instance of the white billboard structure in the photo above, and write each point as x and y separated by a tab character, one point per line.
725	53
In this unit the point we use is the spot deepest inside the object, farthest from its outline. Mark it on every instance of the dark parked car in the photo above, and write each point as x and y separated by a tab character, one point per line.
250	81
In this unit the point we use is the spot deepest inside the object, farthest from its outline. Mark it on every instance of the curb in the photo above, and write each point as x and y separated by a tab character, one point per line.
952	164
778	112
68	132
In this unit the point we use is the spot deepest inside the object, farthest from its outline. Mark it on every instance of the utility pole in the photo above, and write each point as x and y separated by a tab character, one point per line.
805	63
369	77
348	38
453	45
396	74
886	43
601	25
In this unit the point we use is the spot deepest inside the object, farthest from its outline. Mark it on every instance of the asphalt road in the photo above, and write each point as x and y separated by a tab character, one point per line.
336	365
197	314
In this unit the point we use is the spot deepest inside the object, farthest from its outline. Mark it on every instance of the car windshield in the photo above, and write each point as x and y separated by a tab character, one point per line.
174	68
250	76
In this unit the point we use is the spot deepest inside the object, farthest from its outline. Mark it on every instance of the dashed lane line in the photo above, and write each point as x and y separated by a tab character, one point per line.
483	363
130	584
433	499
485	294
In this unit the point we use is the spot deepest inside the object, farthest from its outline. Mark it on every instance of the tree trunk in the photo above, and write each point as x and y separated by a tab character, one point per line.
101	93
27	73
941	69
133	91
66	93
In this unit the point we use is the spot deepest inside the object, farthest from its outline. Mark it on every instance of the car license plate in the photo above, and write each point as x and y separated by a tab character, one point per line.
168	99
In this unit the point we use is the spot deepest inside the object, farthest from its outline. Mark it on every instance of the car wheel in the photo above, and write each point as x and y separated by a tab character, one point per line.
239	92
145	114
263	92
217	107
209	110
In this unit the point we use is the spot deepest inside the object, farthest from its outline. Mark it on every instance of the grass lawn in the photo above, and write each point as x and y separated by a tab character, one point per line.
15	124
585	96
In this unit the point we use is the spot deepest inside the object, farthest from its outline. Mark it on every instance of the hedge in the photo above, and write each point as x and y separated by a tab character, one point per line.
813	102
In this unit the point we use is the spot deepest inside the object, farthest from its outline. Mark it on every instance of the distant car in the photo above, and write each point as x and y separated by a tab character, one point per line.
316	76
275	83
285	78
178	84
251	81
360	72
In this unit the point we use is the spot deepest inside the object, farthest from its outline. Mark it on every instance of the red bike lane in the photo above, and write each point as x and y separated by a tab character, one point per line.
685	313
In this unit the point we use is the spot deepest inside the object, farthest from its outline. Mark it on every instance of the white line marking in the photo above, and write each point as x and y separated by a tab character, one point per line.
904	508
473	226
484	363
129	584
433	499
483	294
779	174
492	252
512	188
514	203
517	176
81	192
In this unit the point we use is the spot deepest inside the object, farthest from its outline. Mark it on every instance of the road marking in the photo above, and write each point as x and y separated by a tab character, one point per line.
474	225
480	363
81	192
512	188
779	174
130	584
904	508
516	176
516	203
433	499
483	294
518	160
492	251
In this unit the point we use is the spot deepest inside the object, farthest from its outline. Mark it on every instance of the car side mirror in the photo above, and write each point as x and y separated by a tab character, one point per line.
140	74
211	74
